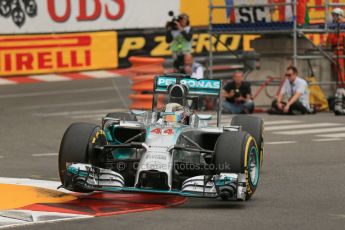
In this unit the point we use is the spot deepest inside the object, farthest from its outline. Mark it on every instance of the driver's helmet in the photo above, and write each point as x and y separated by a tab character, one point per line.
174	112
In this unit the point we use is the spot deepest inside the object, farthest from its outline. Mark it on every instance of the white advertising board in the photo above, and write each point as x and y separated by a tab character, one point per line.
55	16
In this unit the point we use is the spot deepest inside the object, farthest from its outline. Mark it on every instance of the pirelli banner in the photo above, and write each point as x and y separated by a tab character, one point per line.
32	54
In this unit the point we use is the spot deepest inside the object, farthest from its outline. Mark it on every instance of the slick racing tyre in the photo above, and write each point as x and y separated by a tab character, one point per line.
123	116
77	146
237	152
255	127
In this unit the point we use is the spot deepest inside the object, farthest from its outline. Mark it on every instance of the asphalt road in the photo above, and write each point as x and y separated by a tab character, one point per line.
302	181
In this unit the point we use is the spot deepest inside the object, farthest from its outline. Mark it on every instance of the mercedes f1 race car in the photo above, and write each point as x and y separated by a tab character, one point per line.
171	150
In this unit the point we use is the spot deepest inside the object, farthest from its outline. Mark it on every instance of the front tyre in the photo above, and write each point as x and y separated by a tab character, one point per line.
237	152
77	146
255	127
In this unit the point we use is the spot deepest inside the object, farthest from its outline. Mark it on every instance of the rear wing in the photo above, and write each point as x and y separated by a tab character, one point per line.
196	87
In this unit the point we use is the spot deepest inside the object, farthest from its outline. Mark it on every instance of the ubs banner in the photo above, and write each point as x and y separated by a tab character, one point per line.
32	54
60	16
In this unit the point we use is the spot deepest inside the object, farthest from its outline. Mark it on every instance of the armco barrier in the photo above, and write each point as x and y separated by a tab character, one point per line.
143	72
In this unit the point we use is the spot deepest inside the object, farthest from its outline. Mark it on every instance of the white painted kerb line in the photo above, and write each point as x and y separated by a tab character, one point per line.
312	131
53	185
98	116
37	217
57	92
333	135
4	81
44	154
281	122
50	78
327	139
280	142
100	74
79	112
300	126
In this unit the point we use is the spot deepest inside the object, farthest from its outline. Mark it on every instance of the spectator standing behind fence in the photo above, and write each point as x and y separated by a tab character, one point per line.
238	95
193	68
179	36
293	97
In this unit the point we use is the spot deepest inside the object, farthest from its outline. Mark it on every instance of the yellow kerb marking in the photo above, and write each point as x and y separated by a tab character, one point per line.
17	196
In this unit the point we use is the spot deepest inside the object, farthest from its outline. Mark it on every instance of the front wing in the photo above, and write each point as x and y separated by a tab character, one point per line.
90	178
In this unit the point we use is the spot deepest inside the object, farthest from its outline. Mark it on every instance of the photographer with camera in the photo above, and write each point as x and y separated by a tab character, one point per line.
179	36
237	95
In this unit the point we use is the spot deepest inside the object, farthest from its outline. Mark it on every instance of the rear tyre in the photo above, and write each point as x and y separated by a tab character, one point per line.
255	127
77	146
123	116
237	152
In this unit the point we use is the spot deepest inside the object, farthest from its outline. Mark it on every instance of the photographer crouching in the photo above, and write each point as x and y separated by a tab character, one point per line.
238	96
179	36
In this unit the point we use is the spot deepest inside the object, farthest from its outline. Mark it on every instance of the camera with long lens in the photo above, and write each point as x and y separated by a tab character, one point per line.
174	20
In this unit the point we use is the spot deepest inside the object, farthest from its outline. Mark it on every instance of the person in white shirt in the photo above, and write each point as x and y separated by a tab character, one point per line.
192	68
294	95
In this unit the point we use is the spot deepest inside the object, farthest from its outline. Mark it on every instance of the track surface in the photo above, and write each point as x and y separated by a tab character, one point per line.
302	182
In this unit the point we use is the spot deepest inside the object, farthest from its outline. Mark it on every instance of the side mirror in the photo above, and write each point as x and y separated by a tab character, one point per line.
107	121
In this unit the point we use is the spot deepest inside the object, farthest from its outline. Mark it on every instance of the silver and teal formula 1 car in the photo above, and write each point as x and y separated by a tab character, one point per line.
171	150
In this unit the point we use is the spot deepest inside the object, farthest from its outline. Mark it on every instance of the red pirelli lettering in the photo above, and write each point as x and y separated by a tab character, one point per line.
25	61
